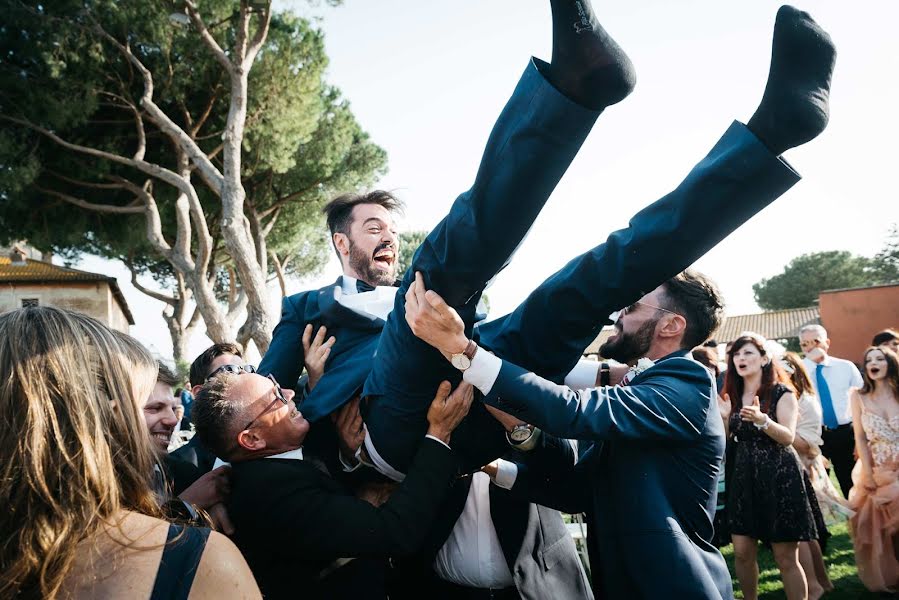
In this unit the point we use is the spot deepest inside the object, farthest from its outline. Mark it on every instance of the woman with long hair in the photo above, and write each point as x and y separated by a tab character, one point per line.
79	517
875	491
766	491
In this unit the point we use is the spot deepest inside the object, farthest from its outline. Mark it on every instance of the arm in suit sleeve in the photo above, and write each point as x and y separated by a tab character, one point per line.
284	358
670	401
555	474
326	524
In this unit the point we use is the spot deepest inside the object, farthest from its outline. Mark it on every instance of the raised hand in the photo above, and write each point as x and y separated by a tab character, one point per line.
448	409
431	319
315	353
753	413
210	489
220	519
724	407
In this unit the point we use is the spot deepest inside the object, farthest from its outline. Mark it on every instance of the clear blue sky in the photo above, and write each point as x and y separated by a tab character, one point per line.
427	80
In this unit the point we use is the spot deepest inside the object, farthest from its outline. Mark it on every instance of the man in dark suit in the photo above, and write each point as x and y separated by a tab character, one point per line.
647	477
741	175
534	140
295	525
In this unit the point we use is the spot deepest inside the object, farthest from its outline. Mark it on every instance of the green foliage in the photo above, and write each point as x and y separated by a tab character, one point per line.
807	275
886	262
302	142
409	243
840	561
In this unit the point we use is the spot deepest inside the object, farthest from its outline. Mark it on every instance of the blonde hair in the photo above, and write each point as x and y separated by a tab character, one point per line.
74	441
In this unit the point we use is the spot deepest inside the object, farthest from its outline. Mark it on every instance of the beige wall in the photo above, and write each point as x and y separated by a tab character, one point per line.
93	299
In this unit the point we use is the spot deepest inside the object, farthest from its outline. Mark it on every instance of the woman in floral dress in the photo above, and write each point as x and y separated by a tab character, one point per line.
875	491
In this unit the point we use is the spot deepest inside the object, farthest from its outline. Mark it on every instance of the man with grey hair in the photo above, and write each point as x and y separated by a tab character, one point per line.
295	524
833	378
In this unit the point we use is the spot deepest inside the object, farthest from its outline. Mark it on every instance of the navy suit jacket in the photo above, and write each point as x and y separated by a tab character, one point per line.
351	356
647	476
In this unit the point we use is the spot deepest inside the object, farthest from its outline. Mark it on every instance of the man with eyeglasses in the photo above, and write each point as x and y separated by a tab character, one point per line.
216	358
296	525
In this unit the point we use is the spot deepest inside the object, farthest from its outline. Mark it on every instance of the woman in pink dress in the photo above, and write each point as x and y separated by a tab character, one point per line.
875	493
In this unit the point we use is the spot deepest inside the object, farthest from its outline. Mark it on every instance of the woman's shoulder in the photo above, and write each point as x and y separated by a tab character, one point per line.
779	389
123	556
223	572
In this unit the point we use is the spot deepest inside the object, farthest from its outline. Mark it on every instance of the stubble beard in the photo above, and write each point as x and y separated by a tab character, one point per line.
628	348
363	265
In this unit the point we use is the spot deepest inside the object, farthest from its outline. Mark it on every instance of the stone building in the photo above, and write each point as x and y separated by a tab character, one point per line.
27	281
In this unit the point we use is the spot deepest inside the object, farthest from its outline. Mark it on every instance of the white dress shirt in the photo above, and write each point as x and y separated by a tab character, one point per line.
841	376
472	555
376	303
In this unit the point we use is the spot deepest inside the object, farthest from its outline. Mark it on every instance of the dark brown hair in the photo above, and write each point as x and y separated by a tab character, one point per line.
339	211
707	357
199	369
165	375
882	337
696	298
892	378
772	374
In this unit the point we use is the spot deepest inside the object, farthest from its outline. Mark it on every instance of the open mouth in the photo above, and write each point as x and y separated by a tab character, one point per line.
162	437
874	371
384	258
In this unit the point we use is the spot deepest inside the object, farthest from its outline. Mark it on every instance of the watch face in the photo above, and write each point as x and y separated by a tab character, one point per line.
520	434
461	362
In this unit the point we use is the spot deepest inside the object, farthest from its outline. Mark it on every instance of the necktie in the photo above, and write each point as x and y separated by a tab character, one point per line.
830	415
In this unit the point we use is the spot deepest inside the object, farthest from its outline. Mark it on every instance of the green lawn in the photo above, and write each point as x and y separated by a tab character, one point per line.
840	561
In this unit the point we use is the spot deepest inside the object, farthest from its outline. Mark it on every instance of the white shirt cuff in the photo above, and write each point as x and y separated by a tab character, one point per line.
483	371
347	467
583	375
436	439
506	474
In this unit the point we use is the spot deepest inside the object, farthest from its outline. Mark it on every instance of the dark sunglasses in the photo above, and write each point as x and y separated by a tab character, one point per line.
235	369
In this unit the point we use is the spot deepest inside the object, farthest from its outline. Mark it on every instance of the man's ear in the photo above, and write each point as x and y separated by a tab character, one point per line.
195	390
342	243
248	440
673	327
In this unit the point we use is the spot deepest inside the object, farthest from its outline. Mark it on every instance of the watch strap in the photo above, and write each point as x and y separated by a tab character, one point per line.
605	374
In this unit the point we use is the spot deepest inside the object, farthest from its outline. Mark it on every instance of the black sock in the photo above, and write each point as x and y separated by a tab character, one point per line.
795	106
587	65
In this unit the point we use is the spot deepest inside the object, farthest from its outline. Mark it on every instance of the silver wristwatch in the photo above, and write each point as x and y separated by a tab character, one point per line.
462	360
520	434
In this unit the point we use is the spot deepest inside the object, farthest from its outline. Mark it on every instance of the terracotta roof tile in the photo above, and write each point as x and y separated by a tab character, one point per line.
36	271
775	325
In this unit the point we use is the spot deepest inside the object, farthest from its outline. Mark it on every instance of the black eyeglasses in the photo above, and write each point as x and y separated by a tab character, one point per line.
235	369
633	307
627	309
279	397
